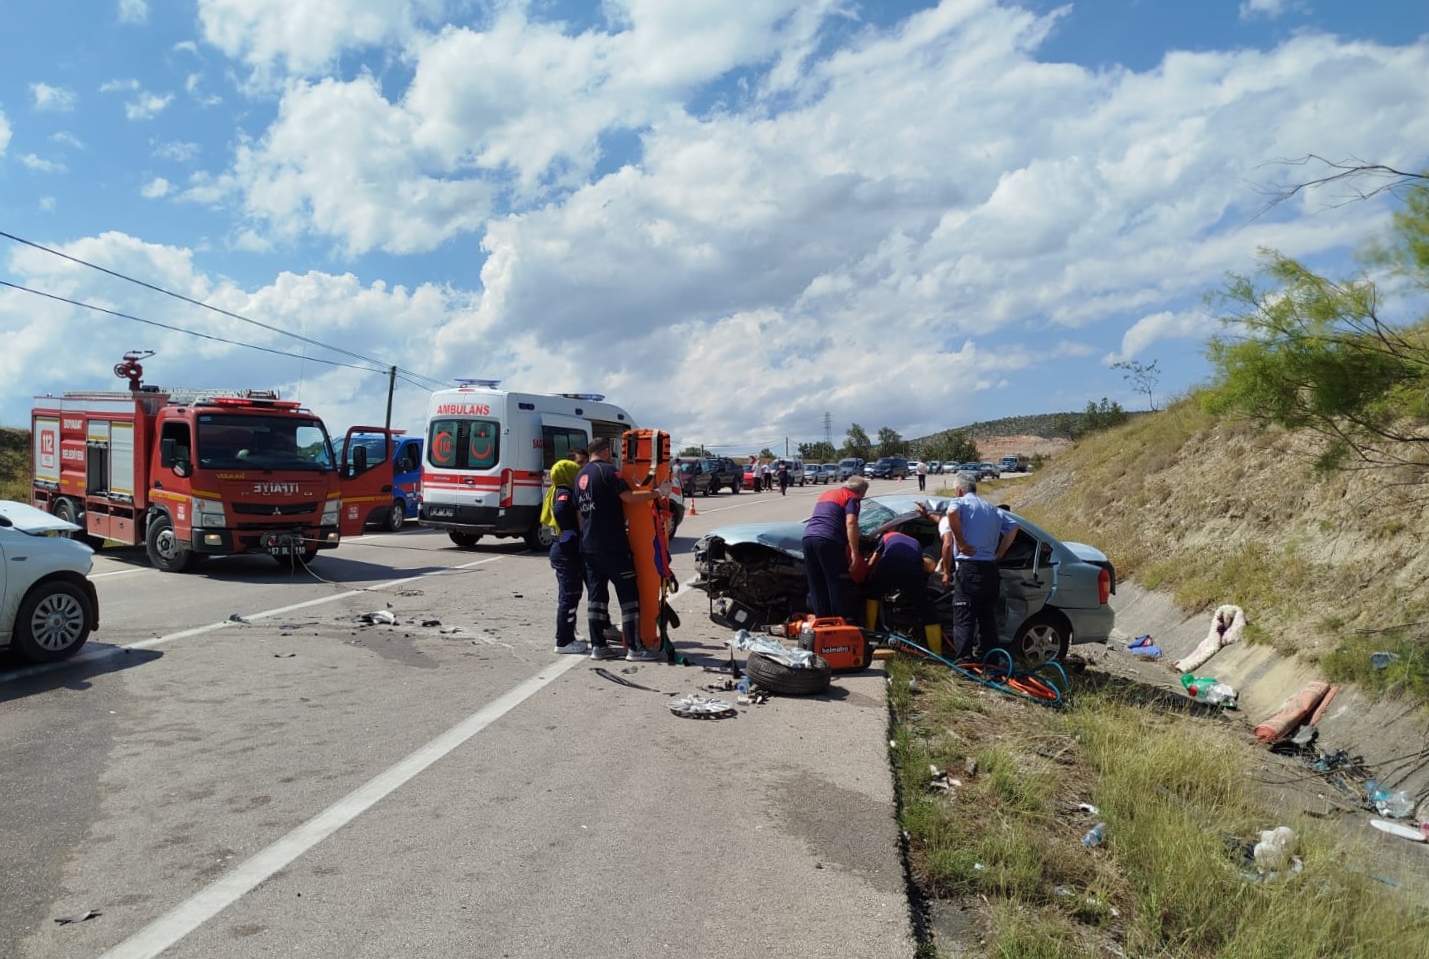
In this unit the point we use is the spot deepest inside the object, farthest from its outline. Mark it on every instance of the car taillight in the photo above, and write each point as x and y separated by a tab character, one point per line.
1104	586
508	488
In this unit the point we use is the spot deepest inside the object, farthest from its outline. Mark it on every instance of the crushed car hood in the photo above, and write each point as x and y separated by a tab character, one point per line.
785	537
28	519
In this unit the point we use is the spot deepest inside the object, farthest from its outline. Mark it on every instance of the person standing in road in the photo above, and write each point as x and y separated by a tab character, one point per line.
559	513
922	470
766	475
605	549
981	534
783	477
831	550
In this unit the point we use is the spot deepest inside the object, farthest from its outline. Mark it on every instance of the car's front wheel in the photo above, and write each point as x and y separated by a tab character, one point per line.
1043	637
165	549
396	516
53	622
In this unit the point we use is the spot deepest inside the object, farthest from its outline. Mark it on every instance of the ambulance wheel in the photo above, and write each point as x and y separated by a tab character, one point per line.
540	537
165	550
464	540
397	516
774	676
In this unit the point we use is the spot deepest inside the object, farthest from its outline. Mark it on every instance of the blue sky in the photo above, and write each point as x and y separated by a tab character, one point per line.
914	215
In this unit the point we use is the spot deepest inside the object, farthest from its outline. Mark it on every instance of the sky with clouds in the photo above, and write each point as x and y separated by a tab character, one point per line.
730	218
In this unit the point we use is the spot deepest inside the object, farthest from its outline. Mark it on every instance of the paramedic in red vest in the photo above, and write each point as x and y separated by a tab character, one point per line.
605	549
981	534
830	540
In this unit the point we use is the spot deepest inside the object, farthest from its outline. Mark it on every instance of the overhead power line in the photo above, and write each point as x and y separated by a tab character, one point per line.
380	367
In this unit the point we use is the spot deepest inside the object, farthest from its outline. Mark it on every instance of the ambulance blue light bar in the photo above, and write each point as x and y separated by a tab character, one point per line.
592	397
484	384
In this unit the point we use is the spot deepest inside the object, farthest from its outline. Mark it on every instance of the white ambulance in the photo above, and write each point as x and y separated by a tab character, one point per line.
489	454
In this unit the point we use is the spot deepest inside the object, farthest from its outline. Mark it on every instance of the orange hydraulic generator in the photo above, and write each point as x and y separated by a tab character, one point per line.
841	644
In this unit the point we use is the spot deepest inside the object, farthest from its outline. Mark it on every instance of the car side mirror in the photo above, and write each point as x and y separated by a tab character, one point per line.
359	460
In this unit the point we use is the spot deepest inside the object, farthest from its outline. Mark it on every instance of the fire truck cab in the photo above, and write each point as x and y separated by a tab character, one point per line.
489	453
188	473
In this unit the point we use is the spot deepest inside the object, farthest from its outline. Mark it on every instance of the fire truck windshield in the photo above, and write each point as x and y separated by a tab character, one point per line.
258	441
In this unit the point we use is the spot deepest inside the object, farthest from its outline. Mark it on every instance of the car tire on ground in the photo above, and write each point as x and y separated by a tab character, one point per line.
464	540
785	680
1042	637
53	622
397	516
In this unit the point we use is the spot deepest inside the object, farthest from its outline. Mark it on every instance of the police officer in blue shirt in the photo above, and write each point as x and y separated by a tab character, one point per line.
981	534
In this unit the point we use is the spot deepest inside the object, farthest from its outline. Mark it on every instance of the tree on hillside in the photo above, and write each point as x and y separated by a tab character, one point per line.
766	454
692	451
857	443
1101	417
1309	352
1143	378
890	442
819	452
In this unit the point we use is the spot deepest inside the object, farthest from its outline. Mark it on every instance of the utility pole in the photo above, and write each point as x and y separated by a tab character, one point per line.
828	429
391	385
786	447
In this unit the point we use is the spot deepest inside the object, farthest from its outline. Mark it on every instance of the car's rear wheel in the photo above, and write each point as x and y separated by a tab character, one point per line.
1043	637
540	537
396	516
67	510
53	622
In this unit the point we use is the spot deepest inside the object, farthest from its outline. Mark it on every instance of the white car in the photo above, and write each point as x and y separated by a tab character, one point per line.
49	605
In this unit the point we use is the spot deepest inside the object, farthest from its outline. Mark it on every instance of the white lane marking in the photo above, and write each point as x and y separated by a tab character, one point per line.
120	572
93	654
204	905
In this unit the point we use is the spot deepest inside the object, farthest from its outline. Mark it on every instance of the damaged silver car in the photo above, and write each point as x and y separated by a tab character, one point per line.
1054	594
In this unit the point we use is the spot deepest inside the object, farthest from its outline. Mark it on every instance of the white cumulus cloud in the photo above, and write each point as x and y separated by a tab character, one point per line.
52	98
133	11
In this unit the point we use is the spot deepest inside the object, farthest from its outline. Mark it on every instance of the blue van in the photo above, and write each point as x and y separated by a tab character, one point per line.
406	488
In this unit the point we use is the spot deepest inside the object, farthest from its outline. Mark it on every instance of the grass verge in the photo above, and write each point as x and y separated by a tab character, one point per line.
1173	782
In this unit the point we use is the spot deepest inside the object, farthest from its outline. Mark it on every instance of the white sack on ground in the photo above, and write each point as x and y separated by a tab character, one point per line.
1227	623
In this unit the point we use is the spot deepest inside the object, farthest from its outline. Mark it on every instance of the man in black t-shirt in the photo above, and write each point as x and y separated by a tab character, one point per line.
601	493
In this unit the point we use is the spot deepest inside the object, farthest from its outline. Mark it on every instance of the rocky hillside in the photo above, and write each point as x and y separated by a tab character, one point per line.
1214	511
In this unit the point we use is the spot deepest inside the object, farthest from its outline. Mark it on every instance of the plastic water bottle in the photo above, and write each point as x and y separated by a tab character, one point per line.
1095	835
1395	805
1207	689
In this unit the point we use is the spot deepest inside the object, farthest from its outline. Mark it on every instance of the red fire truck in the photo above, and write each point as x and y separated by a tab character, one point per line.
192	473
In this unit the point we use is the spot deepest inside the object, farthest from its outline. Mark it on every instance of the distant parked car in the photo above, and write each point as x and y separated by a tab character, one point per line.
48	606
850	466
989	471
890	467
935	466
829	473
811	473
1053	593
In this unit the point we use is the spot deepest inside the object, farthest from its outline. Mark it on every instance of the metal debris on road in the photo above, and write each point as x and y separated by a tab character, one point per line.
700	707
381	616
81	917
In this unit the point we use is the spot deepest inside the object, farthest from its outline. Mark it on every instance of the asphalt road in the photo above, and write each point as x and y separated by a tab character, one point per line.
236	766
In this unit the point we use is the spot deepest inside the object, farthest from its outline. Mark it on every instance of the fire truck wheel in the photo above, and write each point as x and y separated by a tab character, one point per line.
164	549
397	515
53	622
66	510
540	538
786	680
464	540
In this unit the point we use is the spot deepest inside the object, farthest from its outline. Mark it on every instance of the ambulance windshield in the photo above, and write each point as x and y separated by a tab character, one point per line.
258	441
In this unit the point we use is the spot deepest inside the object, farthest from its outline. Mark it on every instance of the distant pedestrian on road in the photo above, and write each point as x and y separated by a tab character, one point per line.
831	550
605	549
981	534
783	477
922	470
766	474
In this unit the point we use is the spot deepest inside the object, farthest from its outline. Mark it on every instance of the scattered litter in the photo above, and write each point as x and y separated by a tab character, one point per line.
1095	835
80	917
1089	809
1063	891
1143	648
451	630
796	658
232	618
701	707
517	596
721	687
1294	711
970	766
284	655
604	673
1382	660
1418	833
1276	849
431	622
1227	623
381	616
1395	805
1206	689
